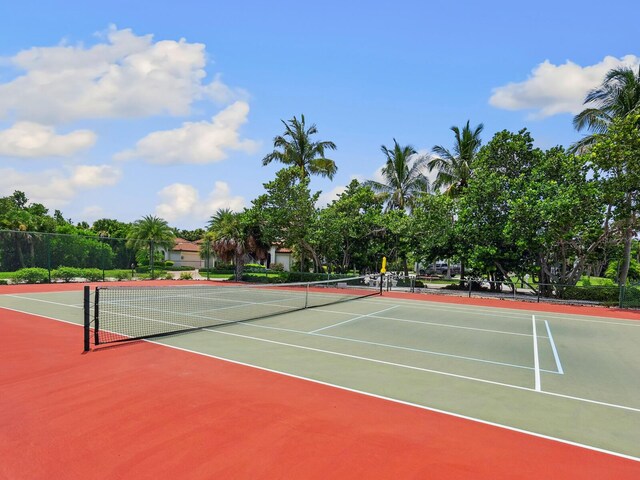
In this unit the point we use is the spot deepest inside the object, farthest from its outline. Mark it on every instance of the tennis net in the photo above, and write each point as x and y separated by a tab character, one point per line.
133	312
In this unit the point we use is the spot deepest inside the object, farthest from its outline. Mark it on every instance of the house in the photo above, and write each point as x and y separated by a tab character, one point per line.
282	255
187	254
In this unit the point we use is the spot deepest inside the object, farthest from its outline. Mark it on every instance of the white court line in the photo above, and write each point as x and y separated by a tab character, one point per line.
486	330
536	360
43	301
553	347
352	319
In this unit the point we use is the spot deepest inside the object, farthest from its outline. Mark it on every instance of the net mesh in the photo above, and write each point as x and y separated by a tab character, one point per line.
129	313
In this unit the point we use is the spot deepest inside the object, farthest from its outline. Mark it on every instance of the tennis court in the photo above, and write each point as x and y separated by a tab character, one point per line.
468	390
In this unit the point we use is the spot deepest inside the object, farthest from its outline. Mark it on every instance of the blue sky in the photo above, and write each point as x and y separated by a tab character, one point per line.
122	109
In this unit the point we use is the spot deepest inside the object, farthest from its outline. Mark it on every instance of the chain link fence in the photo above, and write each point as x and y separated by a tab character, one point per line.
605	295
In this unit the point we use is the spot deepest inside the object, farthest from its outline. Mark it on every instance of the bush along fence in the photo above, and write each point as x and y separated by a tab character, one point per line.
37	257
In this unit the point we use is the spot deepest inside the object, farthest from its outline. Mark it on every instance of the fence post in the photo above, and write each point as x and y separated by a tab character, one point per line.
621	296
49	256
152	251
469	287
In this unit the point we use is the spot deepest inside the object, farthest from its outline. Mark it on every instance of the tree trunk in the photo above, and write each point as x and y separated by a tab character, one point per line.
626	258
239	267
19	250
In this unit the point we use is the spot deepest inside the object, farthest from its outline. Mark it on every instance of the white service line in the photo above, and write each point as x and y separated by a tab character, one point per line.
352	319
536	360
553	347
44	301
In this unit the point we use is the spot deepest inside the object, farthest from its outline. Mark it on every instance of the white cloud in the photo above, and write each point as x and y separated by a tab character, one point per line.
56	188
127	76
29	139
196	142
91	213
182	202
555	89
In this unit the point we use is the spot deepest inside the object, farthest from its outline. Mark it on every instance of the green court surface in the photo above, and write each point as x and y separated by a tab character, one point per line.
574	378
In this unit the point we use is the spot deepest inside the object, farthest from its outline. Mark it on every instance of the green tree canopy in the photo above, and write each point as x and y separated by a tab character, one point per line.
454	168
295	148
403	176
617	97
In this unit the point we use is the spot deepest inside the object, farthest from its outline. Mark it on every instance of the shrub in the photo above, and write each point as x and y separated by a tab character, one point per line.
167	276
91	274
600	293
122	275
262	279
31	275
222	266
66	274
4	282
168	263
186	276
277	267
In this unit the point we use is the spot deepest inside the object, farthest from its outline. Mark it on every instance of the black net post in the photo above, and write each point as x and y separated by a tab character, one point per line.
87	318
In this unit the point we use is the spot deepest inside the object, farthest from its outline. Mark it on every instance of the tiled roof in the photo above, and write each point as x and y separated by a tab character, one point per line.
182	245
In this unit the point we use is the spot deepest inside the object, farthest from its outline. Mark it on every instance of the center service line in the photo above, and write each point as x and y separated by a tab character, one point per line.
536	360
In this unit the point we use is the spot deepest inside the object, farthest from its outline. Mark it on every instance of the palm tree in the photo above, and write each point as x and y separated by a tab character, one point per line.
617	96
454	168
232	235
403	176
295	148
151	232
226	236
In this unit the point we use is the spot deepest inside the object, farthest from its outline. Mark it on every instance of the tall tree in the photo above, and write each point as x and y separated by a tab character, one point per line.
350	229
617	96
152	232
616	154
295	148
403	176
454	168
227	238
289	214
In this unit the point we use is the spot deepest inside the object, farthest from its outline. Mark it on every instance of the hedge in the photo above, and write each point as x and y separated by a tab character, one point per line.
31	275
597	293
66	274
